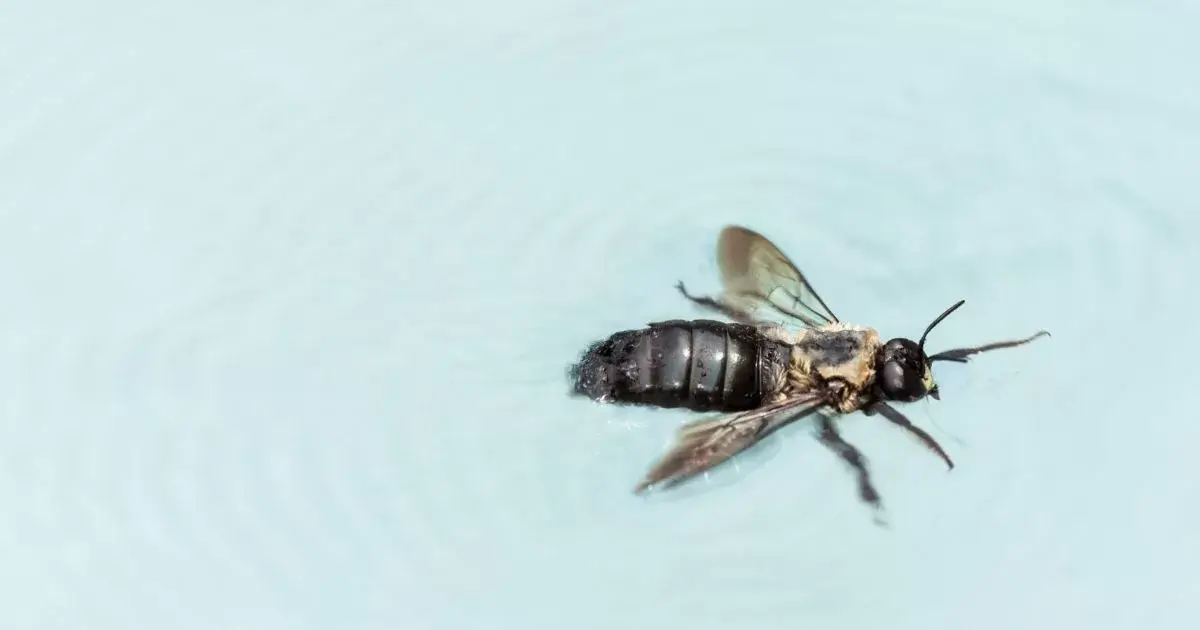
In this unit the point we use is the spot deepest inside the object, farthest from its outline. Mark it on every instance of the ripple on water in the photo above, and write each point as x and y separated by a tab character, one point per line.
898	261
968	248
442	441
579	485
252	476
213	466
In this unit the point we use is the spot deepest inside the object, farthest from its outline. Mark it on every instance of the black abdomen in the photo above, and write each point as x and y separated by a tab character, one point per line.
702	365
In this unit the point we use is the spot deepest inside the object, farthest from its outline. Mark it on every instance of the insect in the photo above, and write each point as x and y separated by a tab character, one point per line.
762	375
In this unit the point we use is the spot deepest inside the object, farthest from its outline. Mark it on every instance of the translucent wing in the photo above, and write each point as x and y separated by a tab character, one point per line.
755	273
702	445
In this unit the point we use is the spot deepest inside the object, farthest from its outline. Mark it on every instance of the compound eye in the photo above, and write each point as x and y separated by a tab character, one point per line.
901	382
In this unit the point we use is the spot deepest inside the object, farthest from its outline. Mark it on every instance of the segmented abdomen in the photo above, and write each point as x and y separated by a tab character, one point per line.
702	365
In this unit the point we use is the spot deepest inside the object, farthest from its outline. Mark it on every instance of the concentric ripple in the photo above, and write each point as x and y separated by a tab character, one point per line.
291	297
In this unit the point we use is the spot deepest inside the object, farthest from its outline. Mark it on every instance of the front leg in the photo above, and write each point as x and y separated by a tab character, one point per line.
897	418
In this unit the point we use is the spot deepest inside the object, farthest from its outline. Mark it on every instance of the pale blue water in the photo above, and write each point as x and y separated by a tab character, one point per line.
289	289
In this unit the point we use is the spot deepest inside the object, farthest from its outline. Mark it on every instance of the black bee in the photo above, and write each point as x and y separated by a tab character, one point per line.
762	375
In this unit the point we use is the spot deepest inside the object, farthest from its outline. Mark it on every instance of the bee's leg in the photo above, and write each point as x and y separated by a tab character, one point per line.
851	455
735	314
897	418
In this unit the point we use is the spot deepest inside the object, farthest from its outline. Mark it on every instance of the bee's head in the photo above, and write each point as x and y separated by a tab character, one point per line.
904	371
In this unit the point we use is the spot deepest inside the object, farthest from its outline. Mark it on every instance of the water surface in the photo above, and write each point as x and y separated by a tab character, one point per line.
290	290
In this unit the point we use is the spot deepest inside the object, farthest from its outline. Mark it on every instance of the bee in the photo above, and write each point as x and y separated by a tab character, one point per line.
762	375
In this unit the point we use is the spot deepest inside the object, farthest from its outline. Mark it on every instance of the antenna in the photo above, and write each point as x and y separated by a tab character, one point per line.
946	313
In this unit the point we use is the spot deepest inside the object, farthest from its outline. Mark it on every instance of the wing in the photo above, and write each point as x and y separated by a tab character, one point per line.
755	273
702	445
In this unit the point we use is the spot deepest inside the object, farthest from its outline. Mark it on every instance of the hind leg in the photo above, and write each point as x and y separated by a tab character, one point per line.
711	304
